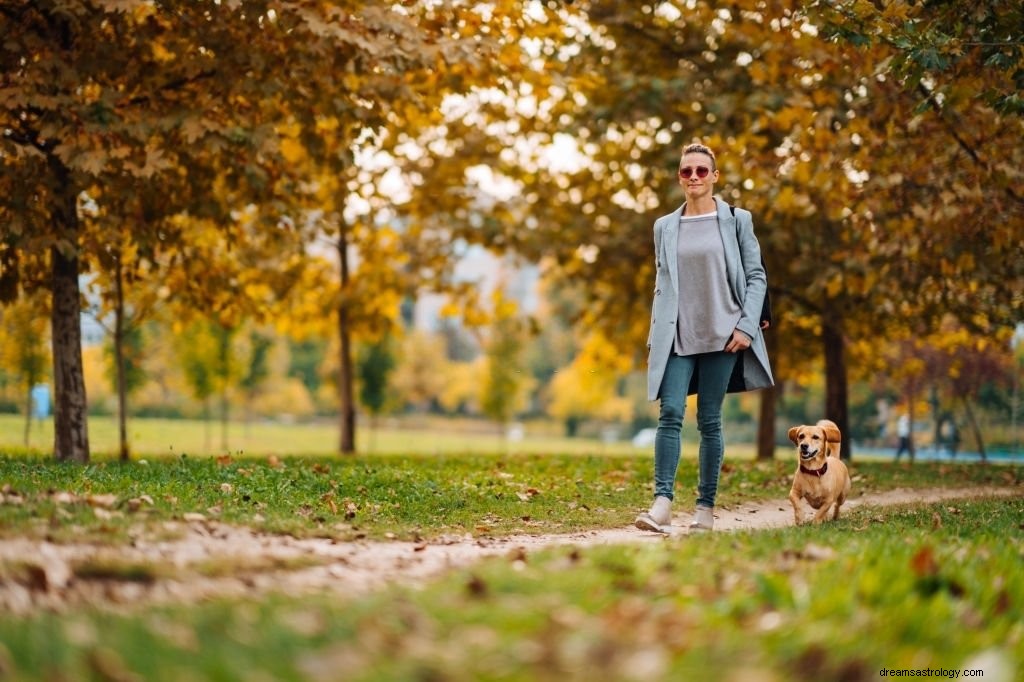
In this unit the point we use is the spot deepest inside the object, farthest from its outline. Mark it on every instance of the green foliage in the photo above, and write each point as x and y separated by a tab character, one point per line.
132	348
257	369
504	380
375	363
306	357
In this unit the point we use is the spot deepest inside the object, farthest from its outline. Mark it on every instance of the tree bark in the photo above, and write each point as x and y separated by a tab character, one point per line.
345	378
975	429
28	412
70	427
122	381
836	393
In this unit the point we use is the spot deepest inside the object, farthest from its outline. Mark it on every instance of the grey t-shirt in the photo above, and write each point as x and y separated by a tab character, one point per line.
708	313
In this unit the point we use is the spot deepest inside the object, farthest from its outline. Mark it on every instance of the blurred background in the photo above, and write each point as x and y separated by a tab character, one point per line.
356	220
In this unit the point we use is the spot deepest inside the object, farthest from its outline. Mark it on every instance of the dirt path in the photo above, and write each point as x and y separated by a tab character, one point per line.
212	560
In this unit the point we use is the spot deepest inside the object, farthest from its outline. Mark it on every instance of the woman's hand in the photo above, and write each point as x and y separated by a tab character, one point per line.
738	342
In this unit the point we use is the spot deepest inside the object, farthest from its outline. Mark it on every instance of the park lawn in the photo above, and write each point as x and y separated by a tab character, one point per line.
393	496
151	437
911	587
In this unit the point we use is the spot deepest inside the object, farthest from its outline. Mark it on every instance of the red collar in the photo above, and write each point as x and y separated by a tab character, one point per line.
815	472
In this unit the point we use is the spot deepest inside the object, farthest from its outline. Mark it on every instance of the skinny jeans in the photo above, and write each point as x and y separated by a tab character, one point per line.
713	372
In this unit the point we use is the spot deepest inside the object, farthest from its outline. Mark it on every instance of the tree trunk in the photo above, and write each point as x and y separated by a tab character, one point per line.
28	413
206	424
911	400
122	381
975	429
70	426
345	391
836	401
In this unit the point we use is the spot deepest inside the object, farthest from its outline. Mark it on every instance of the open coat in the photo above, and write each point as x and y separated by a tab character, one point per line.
748	283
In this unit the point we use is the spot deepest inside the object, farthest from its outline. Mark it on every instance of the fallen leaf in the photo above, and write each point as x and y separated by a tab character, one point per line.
193	516
274	462
815	552
106	501
923	562
224	460
226	487
476	586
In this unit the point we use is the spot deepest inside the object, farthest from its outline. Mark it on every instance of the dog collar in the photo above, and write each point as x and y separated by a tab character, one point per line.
814	472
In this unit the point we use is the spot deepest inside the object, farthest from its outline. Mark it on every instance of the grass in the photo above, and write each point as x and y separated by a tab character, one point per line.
151	438
935	586
912	587
406	497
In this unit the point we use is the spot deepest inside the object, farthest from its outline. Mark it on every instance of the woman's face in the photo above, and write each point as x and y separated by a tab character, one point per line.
694	165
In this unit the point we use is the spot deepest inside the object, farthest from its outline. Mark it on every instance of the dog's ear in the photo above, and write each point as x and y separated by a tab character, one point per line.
832	434
792	433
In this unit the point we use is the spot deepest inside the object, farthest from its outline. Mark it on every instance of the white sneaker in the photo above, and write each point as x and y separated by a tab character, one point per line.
658	518
703	518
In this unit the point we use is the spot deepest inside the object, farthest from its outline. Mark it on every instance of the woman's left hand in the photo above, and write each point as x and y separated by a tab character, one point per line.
738	342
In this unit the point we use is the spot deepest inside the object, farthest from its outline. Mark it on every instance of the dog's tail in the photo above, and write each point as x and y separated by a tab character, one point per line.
832	435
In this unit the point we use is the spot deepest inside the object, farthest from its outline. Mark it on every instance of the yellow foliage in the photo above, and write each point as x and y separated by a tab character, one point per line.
587	387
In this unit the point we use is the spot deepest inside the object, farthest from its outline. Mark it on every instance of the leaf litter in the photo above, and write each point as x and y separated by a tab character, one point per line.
199	558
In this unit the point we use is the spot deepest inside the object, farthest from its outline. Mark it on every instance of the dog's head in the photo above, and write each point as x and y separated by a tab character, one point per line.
815	442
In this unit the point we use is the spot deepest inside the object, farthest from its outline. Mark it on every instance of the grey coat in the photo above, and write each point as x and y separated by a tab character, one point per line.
746	279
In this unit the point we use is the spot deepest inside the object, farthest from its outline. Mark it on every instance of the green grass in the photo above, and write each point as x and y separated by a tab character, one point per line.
171	437
912	587
387	496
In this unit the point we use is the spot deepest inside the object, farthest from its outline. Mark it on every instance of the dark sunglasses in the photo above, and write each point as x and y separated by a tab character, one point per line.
687	172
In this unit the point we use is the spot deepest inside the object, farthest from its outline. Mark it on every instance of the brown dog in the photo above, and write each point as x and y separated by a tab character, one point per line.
821	477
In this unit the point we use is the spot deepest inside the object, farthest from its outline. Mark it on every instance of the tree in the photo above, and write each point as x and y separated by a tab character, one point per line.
862	194
257	369
375	364
116	95
23	348
502	389
962	365
587	388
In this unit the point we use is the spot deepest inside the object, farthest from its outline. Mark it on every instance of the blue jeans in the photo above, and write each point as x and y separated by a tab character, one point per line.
712	381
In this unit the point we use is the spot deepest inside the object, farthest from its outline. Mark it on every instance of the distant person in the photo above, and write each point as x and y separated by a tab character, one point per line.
903	434
951	436
709	288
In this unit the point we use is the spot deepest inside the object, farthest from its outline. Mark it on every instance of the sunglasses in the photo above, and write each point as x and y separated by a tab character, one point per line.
687	172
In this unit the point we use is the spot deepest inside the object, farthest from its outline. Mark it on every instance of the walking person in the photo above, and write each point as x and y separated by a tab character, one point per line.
903	433
706	329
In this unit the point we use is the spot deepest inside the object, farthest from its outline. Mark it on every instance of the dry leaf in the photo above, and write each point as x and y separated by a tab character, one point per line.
224	460
923	563
106	501
274	462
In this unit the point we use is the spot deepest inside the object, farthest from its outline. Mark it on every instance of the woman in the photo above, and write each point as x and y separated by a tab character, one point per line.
706	327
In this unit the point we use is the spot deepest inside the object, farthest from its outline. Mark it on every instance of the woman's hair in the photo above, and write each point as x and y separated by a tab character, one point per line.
698	148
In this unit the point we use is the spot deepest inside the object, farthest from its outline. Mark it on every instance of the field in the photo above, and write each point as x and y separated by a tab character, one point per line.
160	437
119	571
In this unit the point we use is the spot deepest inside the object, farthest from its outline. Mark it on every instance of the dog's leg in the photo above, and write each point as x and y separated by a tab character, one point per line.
835	514
794	499
820	515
